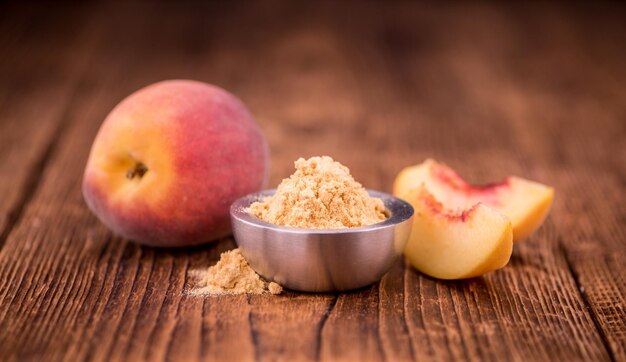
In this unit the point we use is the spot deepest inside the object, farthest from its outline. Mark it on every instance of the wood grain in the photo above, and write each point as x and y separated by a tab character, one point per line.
34	72
530	89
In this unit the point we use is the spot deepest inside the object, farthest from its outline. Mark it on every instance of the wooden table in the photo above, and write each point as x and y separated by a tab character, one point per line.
533	90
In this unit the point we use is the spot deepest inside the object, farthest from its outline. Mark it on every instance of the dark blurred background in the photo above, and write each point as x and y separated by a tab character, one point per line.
502	85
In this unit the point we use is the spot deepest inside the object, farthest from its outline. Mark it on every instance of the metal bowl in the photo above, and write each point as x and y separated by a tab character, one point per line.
321	260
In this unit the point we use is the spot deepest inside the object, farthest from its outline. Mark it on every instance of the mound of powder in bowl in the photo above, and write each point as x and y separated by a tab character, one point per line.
321	194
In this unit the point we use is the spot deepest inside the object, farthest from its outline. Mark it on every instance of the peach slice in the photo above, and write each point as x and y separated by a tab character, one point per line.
525	202
450	244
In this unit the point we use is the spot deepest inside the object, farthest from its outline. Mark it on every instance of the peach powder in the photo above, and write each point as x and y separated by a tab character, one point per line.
233	275
321	194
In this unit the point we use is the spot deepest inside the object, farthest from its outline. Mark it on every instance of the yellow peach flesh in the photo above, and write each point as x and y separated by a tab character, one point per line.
448	245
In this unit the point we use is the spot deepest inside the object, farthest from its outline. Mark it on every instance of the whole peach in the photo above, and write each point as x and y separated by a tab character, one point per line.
170	159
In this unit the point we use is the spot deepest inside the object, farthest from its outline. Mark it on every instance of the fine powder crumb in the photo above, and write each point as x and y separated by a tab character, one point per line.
321	194
233	275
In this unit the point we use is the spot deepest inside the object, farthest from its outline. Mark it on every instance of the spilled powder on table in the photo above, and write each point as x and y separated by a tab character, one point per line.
232	275
321	194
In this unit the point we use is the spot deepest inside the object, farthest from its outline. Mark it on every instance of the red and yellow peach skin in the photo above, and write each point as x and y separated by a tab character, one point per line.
525	202
170	159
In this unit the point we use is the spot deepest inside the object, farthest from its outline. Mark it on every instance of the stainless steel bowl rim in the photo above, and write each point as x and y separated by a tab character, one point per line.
399	210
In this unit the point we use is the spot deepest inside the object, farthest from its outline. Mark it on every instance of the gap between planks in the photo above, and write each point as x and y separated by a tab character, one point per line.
587	303
32	182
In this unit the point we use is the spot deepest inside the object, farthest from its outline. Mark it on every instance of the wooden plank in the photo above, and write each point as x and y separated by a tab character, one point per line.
106	280
71	290
527	327
75	282
591	232
40	67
